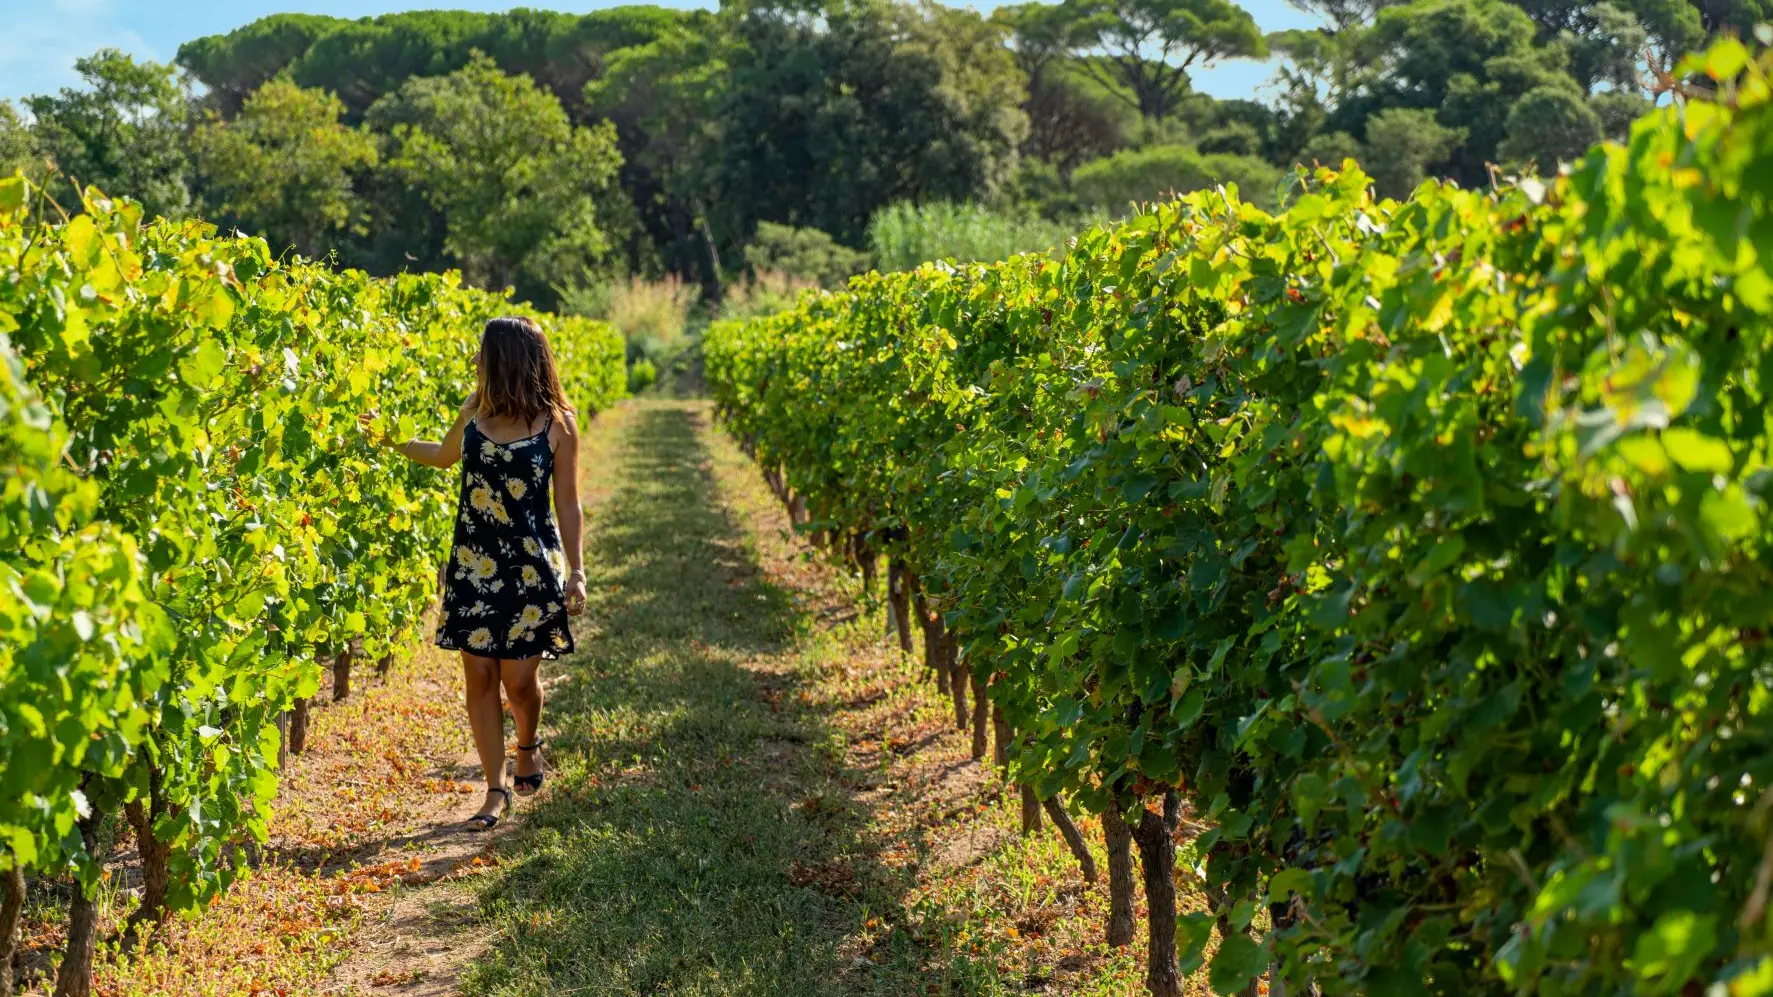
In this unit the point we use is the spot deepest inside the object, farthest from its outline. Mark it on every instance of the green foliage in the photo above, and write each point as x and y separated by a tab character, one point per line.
191	513
285	166
1330	149
827	120
661	95
1548	126
125	131
1147	47
803	252
652	316
642	374
517	183
234	65
761	293
1421	544
1402	144
905	235
1139	175
18	146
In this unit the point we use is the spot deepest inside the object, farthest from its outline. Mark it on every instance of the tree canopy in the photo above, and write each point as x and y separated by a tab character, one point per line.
555	151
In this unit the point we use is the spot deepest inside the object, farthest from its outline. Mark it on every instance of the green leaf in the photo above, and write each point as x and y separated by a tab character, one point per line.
1238	961
204	365
1696	452
1193	933
1288	881
1442	555
1665	957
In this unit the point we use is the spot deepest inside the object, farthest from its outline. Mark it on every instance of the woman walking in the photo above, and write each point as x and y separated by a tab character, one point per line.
507	588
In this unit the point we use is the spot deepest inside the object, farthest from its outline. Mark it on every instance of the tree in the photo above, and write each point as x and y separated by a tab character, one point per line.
661	98
18	147
1159	171
124	133
1464	62
1343	15
234	65
1330	149
1070	121
1617	110
832	114
1608	50
1550	125
804	253
517	184
1144	48
364	59
1402	143
284	167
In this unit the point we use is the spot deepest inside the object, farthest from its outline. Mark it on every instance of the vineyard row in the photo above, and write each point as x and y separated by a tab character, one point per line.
1420	549
191	520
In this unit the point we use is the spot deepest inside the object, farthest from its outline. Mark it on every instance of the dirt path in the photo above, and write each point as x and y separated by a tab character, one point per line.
750	793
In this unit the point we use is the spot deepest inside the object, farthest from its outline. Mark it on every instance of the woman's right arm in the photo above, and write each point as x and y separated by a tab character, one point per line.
441	453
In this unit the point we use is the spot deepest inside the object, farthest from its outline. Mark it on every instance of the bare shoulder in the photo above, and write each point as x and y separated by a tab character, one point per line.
566	428
471	405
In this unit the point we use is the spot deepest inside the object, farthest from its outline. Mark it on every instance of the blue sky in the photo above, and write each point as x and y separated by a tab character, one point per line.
40	39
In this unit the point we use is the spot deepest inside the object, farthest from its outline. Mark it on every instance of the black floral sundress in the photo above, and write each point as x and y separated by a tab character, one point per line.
504	586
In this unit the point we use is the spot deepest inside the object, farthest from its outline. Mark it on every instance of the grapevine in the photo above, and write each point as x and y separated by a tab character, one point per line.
192	518
1419	547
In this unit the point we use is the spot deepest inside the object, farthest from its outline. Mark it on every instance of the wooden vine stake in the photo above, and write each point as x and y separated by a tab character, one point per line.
981	717
75	977
899	603
341	675
12	909
1119	839
1155	837
155	856
957	681
298	727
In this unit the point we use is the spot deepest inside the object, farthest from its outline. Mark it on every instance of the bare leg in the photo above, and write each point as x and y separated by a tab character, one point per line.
524	693
487	721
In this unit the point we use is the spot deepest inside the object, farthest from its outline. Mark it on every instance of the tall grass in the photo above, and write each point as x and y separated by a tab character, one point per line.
904	235
764	292
654	315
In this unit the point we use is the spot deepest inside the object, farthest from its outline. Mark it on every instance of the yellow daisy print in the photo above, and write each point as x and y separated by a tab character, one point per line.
531	616
480	639
559	641
483	499
516	487
531	547
531	577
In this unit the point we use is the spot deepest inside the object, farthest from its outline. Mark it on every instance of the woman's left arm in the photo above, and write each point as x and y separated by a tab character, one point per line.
568	512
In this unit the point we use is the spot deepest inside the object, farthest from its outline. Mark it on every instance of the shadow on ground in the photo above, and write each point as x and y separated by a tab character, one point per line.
695	838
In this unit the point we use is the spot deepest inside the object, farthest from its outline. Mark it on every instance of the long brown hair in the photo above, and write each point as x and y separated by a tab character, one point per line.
517	375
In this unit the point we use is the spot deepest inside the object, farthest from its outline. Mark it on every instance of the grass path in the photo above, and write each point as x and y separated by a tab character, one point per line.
750	795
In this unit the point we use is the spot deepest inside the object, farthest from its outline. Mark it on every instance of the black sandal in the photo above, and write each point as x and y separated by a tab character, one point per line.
528	785
486	822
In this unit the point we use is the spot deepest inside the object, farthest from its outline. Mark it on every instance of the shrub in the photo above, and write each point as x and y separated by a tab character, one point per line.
804	253
653	316
642	374
1156	172
764	292
904	235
